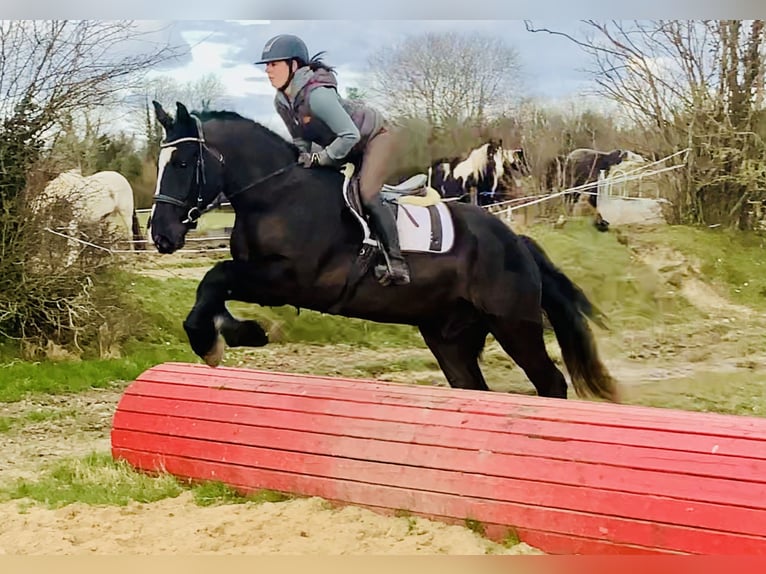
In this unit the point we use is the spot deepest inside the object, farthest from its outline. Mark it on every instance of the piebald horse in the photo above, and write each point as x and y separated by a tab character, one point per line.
480	170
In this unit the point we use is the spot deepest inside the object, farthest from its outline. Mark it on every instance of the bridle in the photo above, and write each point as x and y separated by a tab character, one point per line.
196	211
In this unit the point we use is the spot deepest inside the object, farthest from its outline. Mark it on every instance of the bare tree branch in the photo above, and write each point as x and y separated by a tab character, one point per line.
694	83
445	77
63	65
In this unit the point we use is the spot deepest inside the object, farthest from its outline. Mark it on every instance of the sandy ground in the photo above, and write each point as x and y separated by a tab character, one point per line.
178	526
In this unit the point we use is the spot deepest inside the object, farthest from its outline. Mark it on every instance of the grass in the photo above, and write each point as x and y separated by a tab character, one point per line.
632	296
626	290
160	338
732	260
99	479
741	393
24	379
213	220
95	479
210	493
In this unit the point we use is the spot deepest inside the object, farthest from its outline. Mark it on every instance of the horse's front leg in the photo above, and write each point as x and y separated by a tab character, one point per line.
209	317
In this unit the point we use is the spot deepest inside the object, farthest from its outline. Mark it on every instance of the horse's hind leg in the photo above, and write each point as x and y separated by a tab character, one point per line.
458	353
523	341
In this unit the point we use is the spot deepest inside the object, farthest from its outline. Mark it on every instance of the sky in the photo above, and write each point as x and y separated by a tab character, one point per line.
552	66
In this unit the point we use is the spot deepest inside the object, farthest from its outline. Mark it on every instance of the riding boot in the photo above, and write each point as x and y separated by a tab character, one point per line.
385	226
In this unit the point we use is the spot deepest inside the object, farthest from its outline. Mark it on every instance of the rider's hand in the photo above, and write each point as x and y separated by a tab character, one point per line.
308	159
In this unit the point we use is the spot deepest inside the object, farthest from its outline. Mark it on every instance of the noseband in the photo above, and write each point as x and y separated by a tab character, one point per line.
196	211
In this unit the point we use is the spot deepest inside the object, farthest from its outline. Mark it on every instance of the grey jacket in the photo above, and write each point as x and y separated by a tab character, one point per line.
314	112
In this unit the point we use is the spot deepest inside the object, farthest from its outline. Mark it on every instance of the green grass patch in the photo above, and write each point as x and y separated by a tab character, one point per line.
288	325
95	479
627	291
741	393
476	526
733	260
210	221
99	479
167	302
22	379
511	538
210	493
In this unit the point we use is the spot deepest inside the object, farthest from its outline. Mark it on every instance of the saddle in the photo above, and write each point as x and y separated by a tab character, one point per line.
424	222
413	191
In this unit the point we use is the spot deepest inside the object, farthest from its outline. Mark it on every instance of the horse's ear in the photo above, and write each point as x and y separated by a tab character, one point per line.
182	114
162	116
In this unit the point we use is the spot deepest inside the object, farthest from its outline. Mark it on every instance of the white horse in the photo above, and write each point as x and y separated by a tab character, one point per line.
105	196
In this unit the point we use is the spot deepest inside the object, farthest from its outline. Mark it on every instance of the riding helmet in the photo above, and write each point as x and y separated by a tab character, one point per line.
284	47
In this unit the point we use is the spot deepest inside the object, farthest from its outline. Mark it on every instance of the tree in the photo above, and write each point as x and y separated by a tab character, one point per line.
354	93
51	71
695	84
203	94
446	77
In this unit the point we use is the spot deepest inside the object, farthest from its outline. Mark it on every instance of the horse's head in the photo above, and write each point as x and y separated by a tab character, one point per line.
189	177
614	157
632	157
516	161
495	156
495	166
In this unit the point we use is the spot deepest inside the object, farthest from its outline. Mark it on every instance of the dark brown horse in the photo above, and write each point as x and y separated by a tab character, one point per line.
581	167
298	240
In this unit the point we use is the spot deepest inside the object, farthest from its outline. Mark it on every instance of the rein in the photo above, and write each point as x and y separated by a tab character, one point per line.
258	181
196	211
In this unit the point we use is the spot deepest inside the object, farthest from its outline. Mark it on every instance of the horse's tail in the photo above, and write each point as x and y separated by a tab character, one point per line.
138	237
568	310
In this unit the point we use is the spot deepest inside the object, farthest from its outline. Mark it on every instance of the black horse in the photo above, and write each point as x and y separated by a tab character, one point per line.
297	241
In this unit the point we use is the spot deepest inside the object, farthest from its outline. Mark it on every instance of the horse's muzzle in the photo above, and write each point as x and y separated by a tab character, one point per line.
164	245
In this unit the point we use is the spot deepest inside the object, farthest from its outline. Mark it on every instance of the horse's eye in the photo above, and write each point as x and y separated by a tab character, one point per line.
182	164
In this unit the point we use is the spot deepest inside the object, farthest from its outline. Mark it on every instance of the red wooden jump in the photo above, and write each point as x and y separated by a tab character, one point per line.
569	477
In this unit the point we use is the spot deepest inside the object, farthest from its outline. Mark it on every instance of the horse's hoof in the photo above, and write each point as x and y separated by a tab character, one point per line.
214	357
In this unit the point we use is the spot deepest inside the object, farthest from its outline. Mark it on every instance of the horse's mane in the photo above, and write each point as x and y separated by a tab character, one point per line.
206	115
219	115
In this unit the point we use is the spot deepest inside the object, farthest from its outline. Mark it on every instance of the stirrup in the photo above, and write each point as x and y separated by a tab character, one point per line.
385	274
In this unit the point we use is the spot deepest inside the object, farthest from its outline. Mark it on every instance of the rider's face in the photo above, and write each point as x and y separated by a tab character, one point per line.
278	73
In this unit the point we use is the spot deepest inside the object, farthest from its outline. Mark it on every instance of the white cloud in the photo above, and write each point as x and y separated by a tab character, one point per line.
211	57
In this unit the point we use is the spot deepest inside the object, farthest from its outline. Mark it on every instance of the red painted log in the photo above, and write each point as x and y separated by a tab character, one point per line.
565	476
